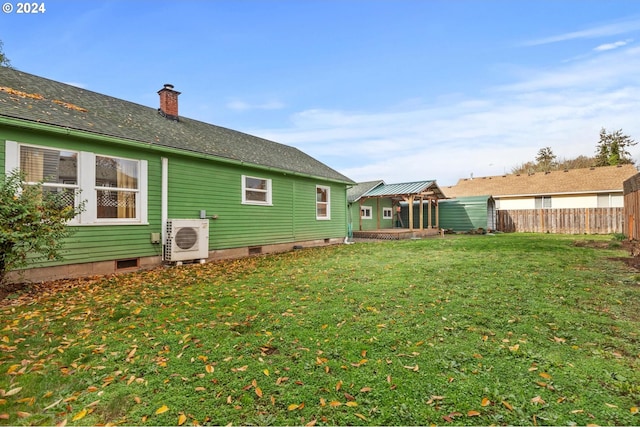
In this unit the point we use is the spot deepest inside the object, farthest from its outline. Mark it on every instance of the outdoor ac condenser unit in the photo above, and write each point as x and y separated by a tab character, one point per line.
187	239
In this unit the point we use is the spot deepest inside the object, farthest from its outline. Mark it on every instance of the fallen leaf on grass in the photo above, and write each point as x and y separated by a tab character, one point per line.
473	414
79	415
485	402
10	392
4	416
162	409
351	404
362	417
634	410
209	368
182	419
611	405
334	403
545	375
507	405
538	400
258	391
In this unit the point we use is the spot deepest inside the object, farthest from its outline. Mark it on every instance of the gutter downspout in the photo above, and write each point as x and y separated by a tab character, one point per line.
164	201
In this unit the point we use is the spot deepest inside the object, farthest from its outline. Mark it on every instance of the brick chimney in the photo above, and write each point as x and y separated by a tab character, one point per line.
169	102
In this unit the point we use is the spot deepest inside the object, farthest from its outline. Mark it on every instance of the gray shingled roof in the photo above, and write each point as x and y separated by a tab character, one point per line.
36	99
355	192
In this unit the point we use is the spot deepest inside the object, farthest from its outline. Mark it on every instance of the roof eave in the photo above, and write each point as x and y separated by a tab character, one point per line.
48	127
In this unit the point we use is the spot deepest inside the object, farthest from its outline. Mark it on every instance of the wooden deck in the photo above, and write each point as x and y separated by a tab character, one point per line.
396	234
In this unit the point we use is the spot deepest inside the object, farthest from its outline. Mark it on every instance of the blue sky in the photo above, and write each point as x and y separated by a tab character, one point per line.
399	90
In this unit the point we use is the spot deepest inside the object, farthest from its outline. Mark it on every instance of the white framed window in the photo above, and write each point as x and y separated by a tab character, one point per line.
323	202
114	189
543	202
117	188
387	213
366	212
56	170
256	191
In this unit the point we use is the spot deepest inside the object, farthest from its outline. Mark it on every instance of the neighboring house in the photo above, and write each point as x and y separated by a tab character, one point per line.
588	200
599	187
140	169
375	208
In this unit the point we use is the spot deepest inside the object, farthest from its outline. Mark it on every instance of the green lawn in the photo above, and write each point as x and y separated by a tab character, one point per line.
506	329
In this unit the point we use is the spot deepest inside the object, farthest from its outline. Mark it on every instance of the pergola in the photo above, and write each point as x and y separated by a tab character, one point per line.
409	192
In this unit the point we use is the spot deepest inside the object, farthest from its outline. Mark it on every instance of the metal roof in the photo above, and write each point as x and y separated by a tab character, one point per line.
405	189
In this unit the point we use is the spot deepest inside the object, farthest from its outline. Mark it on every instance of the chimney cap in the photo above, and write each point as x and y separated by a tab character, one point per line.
168	86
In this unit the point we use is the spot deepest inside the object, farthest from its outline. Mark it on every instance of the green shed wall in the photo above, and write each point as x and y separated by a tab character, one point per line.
466	213
461	214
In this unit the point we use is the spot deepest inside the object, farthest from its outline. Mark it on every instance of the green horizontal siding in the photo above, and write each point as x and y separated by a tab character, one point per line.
377	205
194	185
466	213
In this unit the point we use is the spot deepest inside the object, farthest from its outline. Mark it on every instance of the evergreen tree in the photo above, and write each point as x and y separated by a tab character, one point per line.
612	148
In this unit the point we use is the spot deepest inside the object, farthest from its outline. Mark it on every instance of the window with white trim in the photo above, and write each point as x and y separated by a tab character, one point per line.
366	212
323	202
543	202
256	191
387	213
56	170
114	189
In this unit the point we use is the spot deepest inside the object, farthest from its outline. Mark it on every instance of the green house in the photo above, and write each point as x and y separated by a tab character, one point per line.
159	187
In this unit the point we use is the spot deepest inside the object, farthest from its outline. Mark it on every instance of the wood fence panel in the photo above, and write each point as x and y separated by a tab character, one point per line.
565	221
632	215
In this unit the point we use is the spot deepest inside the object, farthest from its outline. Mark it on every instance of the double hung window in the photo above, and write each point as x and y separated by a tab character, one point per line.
323	202
55	170
366	212
256	191
116	187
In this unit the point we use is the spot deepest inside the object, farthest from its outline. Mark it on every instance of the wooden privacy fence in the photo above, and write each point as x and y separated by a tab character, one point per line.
562	221
632	207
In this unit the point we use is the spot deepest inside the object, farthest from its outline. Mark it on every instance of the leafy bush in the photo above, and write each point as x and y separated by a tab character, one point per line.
33	223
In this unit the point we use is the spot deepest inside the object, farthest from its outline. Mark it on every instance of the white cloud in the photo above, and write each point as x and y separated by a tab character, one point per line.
563	108
607	30
239	105
611	46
